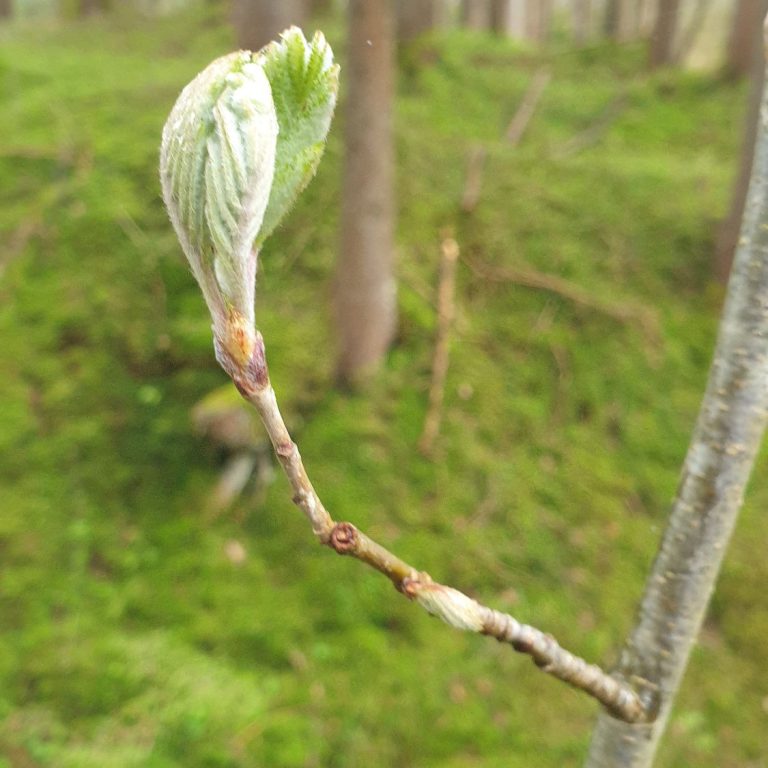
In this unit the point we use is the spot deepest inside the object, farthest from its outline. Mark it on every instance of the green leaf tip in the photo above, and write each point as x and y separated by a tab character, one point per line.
304	81
242	141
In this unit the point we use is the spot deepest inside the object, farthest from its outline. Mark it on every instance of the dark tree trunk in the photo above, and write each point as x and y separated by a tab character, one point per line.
365	300
475	14
258	22
728	232
664	33
414	18
501	16
744	40
5	9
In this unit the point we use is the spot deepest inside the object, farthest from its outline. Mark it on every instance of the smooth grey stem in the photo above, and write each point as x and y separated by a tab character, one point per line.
722	452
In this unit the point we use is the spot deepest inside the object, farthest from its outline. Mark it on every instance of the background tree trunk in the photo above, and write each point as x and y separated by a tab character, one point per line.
475	14
258	22
723	448
538	16
415	17
5	9
728	232
501	16
365	285
581	14
744	39
664	33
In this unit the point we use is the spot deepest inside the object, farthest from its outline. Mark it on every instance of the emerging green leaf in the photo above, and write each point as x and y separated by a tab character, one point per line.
217	161
304	83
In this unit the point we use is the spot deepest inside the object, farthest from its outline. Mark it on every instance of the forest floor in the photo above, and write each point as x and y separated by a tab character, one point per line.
137	628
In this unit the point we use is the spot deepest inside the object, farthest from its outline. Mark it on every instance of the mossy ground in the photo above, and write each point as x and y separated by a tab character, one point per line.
129	638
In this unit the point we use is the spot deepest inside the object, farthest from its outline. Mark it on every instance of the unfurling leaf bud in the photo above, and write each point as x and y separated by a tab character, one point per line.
217	162
241	143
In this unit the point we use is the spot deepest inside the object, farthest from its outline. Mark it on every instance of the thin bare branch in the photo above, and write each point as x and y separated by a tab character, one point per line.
527	107
446	307
530	278
452	606
473	181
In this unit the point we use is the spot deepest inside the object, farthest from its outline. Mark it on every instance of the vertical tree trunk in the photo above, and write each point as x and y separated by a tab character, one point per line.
581	14
725	442
664	33
475	14
5	9
414	18
728	231
365	285
258	22
538	15
501	16
744	39
611	19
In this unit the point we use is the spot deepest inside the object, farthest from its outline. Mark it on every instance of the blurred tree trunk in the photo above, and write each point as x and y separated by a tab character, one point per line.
728	231
664	33
319	7
501	16
415	17
581	14
258	22
611	19
744	38
5	9
538	15
89	7
365	300
725	442
475	14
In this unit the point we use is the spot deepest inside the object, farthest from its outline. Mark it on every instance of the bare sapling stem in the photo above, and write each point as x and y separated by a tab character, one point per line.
452	606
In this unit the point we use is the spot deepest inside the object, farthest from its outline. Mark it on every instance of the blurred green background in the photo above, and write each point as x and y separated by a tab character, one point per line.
138	627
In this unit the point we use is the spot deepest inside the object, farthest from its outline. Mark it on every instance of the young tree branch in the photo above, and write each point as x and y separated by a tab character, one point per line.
725	442
452	606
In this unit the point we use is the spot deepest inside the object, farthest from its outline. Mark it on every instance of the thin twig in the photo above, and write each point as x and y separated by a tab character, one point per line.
595	131
530	278
527	107
452	606
446	305
474	179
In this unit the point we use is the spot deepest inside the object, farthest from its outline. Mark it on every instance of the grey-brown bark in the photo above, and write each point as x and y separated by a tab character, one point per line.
5	9
365	287
581	15
744	39
501	16
475	14
258	22
538	15
726	439
664	33
415	17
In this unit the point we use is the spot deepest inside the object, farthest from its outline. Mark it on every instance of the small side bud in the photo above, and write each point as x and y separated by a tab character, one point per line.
217	162
453	607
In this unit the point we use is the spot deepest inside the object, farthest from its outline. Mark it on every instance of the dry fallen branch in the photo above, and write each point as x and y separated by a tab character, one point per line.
592	134
474	179
449	254
530	278
519	122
